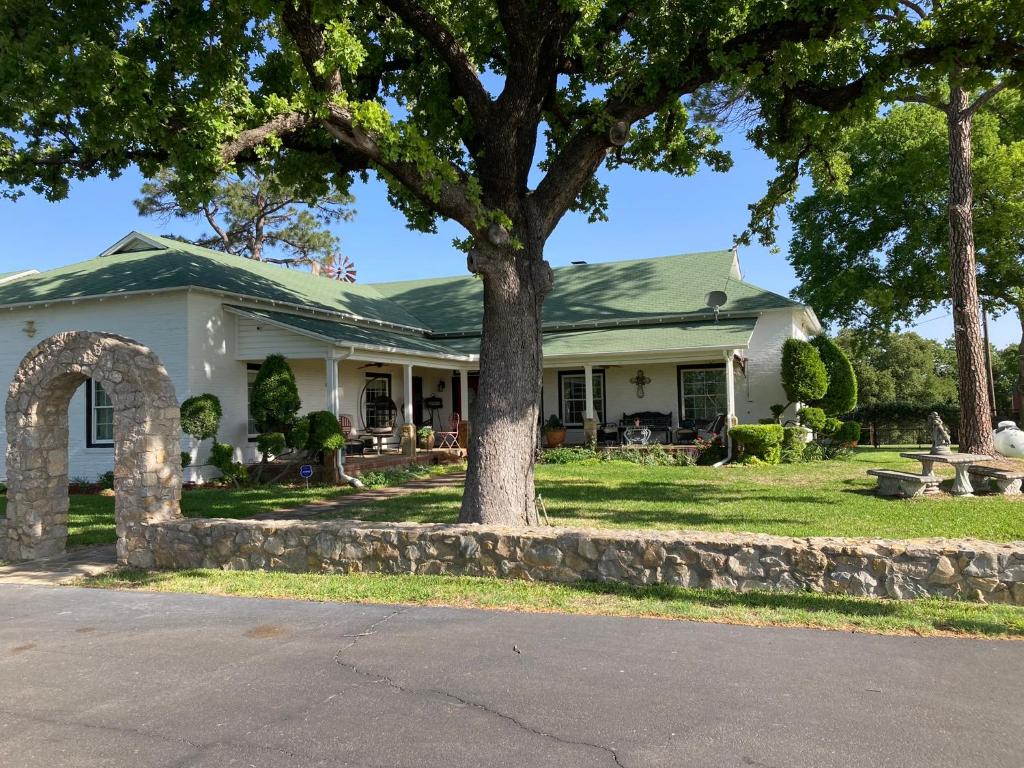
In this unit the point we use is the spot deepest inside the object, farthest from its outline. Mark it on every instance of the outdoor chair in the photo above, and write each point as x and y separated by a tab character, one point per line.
450	438
354	445
608	433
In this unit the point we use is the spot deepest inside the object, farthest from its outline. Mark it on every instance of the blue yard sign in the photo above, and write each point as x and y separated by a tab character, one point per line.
306	471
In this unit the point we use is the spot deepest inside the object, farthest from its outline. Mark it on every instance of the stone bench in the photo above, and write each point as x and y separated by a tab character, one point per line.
892	482
1007	481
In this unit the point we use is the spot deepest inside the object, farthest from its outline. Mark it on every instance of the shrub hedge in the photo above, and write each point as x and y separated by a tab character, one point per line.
200	416
758	441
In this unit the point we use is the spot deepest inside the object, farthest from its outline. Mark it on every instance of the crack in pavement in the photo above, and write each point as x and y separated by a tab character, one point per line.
391	683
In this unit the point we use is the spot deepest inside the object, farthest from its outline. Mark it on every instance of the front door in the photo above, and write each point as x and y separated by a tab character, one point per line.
473	383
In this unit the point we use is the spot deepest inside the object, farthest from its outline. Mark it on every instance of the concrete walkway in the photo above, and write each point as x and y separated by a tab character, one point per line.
124	679
76	563
368	496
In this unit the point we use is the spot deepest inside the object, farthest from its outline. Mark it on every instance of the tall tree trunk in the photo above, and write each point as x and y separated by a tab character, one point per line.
1020	366
975	412
504	421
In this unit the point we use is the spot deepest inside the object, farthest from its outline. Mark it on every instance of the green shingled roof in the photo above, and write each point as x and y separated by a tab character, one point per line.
347	334
651	299
182	265
639	289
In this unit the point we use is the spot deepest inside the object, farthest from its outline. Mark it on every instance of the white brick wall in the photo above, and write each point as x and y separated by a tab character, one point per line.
158	321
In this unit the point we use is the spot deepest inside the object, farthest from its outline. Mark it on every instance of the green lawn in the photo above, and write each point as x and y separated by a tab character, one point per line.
819	499
833	498
91	518
919	617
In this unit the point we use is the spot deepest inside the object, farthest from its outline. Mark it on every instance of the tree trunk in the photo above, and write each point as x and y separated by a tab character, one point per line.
975	411
504	419
1020	366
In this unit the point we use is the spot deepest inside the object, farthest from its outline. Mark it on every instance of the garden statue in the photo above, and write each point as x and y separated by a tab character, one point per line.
1009	440
939	433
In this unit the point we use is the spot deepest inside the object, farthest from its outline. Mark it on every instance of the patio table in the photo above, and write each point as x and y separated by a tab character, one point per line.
959	461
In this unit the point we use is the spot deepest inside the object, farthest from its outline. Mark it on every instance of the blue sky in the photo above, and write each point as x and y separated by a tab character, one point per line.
651	214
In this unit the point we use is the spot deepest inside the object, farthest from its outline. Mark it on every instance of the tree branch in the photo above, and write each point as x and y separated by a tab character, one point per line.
464	73
253	137
982	99
448	199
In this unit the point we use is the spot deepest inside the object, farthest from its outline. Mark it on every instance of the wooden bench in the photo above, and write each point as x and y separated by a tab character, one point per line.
904	484
1007	481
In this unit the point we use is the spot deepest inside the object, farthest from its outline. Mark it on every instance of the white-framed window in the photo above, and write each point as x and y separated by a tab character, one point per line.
572	396
701	392
377	401
99	416
250	372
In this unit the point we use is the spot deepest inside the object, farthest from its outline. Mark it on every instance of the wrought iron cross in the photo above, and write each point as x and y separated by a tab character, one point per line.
640	380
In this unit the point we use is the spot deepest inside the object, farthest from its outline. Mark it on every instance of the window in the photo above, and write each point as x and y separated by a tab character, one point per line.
99	416
251	371
572	395
377	399
701	392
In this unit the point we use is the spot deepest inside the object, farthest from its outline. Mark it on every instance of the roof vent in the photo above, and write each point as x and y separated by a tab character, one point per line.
577	263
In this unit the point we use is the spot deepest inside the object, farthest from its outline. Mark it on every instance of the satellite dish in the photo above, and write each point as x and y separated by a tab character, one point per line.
715	299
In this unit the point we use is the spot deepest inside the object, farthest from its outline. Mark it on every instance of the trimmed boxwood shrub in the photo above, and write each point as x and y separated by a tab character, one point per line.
794	441
270	443
848	433
324	432
832	425
812	418
758	441
841	395
275	396
200	416
804	377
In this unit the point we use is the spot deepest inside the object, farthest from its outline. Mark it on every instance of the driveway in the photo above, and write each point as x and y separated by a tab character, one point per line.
95	678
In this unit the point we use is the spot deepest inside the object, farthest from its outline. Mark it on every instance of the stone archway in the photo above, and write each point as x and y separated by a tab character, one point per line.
147	438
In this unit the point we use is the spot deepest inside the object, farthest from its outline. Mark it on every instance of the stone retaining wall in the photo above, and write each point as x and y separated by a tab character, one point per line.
968	569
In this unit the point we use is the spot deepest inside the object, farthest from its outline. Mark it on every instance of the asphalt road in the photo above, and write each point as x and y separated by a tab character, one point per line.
94	678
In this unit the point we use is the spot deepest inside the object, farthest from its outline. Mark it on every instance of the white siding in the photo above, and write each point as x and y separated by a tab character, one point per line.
157	321
257	340
762	386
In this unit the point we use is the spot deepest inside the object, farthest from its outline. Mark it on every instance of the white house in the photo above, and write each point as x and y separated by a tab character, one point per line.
635	335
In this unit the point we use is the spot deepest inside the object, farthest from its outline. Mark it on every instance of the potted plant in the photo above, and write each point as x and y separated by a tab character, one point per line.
425	438
554	432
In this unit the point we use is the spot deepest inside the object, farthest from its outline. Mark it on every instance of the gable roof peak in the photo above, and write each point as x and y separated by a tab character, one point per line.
134	241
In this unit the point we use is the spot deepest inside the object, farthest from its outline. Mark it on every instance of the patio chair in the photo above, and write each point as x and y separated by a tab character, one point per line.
608	433
354	444
450	438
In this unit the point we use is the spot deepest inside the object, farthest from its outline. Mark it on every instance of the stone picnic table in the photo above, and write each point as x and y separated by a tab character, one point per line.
960	463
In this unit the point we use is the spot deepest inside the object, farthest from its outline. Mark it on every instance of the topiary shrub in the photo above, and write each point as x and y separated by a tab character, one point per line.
275	399
848	433
841	395
804	377
186	459
270	444
298	436
832	425
222	457
324	432
758	441
812	418
794	440
200	416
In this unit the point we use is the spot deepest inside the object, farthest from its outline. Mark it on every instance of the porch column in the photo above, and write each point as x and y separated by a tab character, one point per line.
333	396
407	394
730	390
408	425
589	424
464	393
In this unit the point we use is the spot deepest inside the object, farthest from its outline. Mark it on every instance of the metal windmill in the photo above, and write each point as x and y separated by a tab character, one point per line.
344	270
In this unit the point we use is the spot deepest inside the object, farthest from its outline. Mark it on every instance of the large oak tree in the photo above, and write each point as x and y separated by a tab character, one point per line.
496	115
